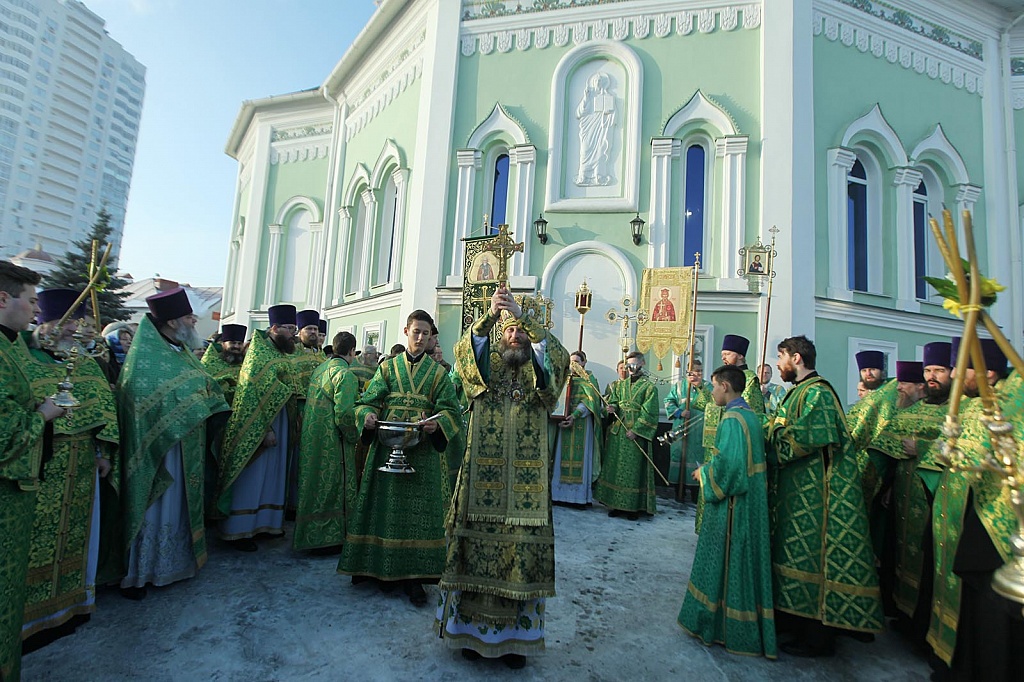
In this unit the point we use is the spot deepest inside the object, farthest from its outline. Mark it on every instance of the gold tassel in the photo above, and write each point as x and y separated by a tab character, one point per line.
660	368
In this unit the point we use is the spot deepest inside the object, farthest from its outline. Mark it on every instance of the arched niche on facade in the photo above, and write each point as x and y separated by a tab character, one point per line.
594	134
294	251
610	276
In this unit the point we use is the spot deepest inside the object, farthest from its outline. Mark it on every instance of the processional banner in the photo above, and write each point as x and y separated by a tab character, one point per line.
666	296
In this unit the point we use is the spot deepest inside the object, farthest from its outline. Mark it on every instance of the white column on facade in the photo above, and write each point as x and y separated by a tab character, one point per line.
470	161
370	225
732	154
248	272
1001	197
664	152
229	304
316	265
335	177
966	197
906	180
524	159
341	254
787	162
840	161
273	262
401	179
428	190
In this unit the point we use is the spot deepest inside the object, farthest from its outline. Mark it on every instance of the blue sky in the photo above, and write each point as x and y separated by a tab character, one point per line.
203	58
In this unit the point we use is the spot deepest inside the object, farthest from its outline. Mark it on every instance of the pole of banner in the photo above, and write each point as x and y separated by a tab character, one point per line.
768	306
681	484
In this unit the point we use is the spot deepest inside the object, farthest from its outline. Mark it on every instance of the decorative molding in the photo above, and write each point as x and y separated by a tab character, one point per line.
307	203
904	39
874	126
701	108
300	149
518	27
391	299
396	76
283	134
938	146
886	318
499	121
1017	88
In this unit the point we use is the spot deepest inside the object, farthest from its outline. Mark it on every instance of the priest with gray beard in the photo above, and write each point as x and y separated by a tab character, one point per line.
165	399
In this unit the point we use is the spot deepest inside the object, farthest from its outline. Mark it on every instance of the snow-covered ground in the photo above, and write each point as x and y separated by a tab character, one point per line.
284	615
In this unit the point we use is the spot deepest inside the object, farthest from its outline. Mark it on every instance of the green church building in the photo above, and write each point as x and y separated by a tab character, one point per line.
843	123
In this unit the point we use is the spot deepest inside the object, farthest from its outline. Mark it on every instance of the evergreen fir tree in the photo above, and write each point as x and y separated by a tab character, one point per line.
72	272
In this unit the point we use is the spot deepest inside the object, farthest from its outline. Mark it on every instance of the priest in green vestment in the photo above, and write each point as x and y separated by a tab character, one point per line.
734	353
626	483
501	544
577	440
365	366
729	596
258	439
976	633
22	425
327	483
64	555
396	530
686	415
223	358
165	399
823	562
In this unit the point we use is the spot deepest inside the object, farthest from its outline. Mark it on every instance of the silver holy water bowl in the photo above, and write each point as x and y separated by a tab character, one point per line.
398	436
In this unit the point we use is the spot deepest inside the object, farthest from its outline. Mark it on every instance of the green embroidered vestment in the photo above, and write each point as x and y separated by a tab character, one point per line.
822	558
226	375
396	531
627	477
729	596
573	441
327	480
21	441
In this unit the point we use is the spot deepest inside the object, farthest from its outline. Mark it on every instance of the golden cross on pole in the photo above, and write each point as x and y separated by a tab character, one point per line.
627	316
503	247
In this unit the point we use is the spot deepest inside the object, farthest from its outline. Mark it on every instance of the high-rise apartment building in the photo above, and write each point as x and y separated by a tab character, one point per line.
70	104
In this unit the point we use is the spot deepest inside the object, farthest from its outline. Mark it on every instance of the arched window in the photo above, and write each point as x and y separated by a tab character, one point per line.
857	227
382	268
499	194
354	279
921	238
296	257
694	195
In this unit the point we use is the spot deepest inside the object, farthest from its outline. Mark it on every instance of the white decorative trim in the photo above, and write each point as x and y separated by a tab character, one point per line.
392	299
273	258
664	150
906	180
540	29
938	146
622	263
389	156
732	151
1017	92
300	149
392	84
524	159
726	301
887	318
855	345
469	162
498	122
838	22
840	161
700	108
360	177
874	126
373	328
307	203
629	169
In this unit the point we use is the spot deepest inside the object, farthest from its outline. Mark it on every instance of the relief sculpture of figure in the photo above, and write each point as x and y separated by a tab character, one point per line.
596	114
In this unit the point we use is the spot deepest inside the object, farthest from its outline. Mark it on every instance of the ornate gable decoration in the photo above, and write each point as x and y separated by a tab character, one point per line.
392	80
301	143
504	26
902	38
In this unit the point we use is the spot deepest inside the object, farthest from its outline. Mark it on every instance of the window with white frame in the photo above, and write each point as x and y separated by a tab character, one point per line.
296	257
921	238
695	186
357	242
928	201
383	268
857	227
497	174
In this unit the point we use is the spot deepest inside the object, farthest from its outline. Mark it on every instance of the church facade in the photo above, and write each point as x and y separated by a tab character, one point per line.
843	123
